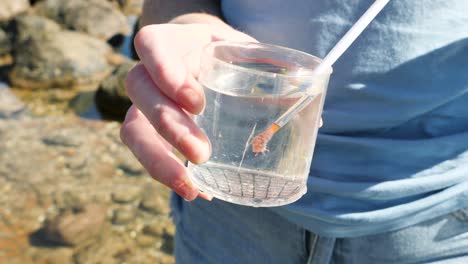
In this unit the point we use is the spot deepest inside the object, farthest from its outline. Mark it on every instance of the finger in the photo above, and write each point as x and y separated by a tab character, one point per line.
171	122
205	196
163	49
172	55
138	134
134	115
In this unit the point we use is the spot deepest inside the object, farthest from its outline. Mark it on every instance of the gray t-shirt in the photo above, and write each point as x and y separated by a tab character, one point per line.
393	150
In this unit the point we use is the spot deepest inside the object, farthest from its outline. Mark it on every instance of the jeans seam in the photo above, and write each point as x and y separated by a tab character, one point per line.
313	243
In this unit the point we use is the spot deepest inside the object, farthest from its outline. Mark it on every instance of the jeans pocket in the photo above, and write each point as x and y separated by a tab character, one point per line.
461	214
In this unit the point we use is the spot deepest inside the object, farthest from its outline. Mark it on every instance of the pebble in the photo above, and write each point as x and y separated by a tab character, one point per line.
126	195
130	165
155	228
61	139
76	163
170	229
154	204
145	241
123	216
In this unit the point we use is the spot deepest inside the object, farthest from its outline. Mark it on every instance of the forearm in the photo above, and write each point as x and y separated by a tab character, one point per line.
181	12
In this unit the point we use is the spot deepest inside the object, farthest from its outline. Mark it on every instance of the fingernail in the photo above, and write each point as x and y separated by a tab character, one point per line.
205	196
201	149
132	113
193	99
187	191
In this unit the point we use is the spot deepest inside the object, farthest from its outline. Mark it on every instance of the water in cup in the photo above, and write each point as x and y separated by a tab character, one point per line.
237	109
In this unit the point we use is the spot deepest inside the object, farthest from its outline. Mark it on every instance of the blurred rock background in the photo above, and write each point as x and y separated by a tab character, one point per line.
71	192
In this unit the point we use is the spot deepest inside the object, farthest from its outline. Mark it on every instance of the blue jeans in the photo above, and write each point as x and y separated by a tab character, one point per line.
219	232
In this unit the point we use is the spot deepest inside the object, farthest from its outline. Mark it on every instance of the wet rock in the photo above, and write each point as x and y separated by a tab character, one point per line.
95	17
126	195
56	58
123	215
5	45
11	8
83	105
72	229
111	97
10	106
154	204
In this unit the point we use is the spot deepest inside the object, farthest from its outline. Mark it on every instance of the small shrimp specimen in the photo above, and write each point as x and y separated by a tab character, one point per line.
259	143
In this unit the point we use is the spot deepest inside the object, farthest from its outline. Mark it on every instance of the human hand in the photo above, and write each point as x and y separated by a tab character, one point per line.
164	90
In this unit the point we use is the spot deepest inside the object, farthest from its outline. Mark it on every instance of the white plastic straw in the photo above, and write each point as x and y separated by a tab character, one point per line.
340	47
350	36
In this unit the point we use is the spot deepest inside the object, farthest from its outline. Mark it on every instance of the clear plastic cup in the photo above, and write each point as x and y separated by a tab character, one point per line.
247	87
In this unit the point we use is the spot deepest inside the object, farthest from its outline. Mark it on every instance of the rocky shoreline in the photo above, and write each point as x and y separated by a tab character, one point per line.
71	191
